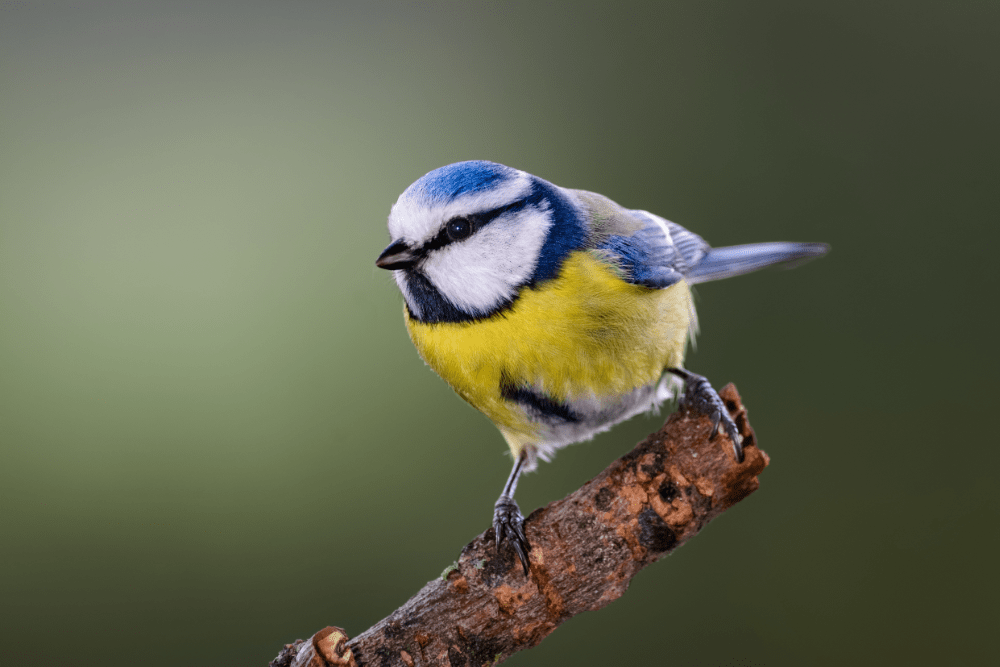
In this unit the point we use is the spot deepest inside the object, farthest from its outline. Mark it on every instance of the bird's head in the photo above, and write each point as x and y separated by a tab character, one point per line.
467	237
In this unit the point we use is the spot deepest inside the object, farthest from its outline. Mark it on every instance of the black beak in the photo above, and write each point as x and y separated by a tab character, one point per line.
397	256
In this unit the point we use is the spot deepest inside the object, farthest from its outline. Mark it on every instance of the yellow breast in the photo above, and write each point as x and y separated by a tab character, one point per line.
586	334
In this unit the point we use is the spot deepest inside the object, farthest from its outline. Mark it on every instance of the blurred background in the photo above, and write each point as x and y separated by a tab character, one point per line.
216	437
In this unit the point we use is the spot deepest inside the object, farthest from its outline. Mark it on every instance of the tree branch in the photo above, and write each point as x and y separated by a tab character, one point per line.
585	549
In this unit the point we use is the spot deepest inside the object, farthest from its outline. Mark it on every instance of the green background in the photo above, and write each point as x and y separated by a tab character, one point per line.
215	436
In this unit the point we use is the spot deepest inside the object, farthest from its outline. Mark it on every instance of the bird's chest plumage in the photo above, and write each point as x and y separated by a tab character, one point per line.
568	358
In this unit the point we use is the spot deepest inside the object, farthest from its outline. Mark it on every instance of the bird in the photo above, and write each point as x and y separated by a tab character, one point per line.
555	312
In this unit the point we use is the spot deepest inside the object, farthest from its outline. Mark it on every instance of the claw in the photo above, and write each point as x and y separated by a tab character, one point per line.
701	397
508	524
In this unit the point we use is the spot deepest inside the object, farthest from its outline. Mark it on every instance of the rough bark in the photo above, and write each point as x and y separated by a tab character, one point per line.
585	549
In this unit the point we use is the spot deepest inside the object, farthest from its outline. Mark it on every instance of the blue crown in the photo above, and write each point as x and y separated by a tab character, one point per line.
446	183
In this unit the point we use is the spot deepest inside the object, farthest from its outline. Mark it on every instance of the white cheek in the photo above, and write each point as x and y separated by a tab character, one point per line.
485	270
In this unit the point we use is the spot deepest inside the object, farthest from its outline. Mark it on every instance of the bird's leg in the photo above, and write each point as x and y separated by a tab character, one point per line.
701	397
507	519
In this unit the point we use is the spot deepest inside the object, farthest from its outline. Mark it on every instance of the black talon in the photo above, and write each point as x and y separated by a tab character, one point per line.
716	419
701	397
509	526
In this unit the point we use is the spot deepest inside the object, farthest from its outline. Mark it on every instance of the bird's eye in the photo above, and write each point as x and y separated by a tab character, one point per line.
458	229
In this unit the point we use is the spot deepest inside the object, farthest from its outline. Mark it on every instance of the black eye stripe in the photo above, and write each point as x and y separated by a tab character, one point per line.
441	239
476	222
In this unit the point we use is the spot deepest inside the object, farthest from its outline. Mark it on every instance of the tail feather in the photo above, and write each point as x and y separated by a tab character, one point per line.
736	260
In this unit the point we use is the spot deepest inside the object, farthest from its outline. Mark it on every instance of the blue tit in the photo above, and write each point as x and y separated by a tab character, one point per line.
556	313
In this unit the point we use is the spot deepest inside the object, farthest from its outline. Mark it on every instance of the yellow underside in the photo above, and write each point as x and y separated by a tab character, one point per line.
585	334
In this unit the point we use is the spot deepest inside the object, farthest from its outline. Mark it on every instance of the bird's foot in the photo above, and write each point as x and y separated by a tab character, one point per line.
509	524
701	397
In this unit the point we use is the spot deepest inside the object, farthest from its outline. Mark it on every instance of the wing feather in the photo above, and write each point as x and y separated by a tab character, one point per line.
655	252
642	245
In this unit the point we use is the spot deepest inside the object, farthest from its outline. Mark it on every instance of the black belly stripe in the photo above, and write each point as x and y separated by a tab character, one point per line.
539	405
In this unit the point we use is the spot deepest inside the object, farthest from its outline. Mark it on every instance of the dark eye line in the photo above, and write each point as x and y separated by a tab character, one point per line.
441	239
476	221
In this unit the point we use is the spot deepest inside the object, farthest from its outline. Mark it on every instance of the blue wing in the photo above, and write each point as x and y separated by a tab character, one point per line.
655	252
645	252
646	249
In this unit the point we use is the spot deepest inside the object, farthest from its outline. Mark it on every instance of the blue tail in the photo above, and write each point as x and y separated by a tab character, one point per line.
736	260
